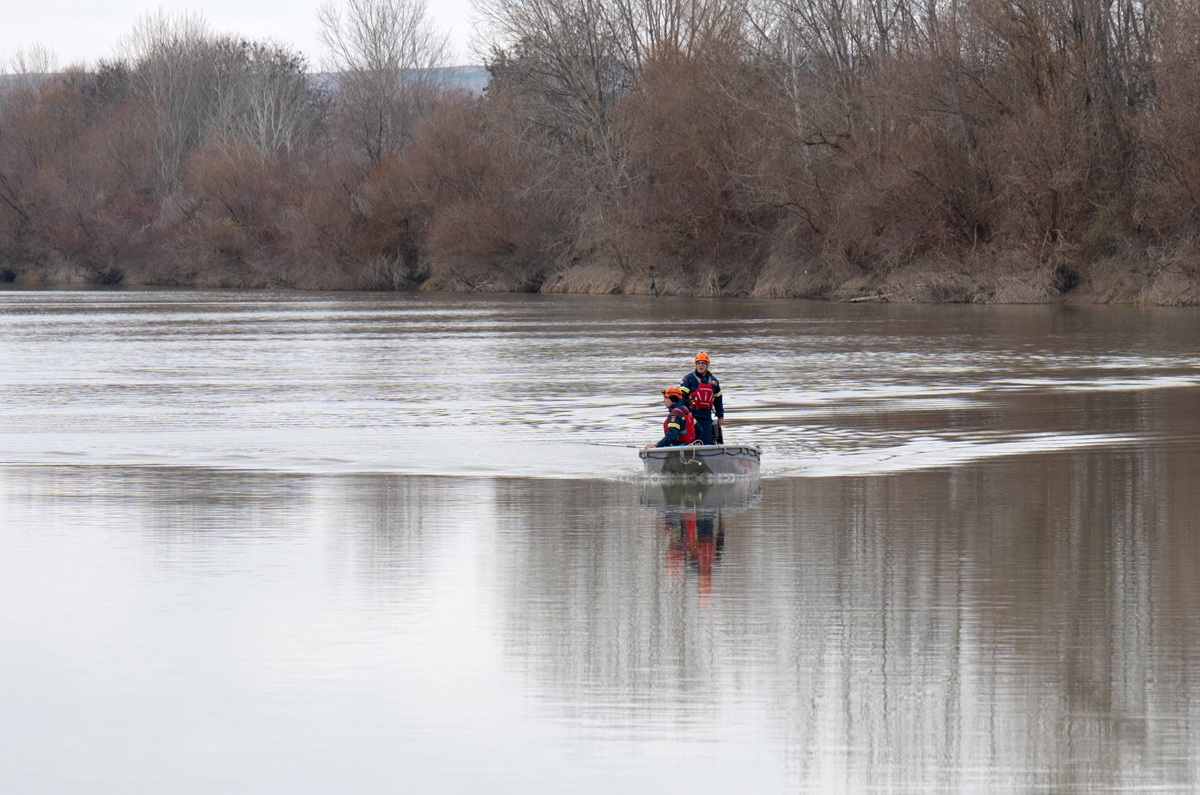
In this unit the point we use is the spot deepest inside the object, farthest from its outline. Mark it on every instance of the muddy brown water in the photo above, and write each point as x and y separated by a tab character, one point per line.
312	543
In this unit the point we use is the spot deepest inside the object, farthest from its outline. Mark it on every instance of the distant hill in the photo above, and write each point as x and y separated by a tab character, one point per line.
8	82
472	78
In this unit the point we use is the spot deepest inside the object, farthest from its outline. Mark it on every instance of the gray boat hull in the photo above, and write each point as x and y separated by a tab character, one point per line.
702	460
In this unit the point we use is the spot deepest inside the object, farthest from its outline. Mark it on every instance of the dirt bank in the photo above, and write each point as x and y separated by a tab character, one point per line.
1155	279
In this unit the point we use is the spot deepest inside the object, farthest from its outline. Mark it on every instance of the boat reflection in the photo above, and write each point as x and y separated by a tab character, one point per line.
732	494
691	514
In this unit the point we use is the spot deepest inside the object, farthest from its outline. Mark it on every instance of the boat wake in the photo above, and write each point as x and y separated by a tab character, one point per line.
524	456
932	452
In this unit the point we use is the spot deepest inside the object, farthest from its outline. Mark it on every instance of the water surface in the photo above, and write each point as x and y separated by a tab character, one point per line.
254	542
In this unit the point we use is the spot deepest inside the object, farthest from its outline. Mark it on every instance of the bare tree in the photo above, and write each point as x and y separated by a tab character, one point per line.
386	54
36	62
174	72
28	68
265	97
564	53
579	58
205	87
664	28
571	68
841	38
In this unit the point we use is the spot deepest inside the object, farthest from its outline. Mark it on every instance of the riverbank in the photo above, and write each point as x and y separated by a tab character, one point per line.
1157	279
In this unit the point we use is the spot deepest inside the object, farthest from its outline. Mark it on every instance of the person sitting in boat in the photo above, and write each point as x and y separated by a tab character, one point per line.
702	392
679	426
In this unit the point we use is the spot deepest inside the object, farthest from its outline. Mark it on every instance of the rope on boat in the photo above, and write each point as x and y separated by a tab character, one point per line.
690	453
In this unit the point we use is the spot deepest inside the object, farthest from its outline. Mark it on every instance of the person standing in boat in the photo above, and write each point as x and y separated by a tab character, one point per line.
702	394
679	426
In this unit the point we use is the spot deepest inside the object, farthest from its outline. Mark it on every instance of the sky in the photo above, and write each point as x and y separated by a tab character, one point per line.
79	32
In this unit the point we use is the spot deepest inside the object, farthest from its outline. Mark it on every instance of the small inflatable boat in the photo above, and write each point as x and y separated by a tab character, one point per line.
702	460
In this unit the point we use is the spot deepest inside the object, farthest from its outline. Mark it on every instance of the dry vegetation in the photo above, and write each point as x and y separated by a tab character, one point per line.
904	150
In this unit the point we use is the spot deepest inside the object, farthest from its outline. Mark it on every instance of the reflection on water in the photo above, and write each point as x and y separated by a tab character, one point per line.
714	494
695	538
978	576
1024	624
692	513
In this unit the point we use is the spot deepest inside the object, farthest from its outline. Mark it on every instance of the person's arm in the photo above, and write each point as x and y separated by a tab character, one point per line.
674	428
685	387
718	403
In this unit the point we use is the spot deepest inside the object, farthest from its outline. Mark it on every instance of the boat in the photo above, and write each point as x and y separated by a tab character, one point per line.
702	460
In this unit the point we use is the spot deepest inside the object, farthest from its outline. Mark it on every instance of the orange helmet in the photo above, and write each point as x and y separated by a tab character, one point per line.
702	357
673	392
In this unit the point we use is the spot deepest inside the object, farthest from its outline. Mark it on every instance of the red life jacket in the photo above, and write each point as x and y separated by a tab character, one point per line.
687	434
702	396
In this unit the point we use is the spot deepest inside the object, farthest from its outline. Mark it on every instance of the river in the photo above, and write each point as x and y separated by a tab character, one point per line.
262	542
